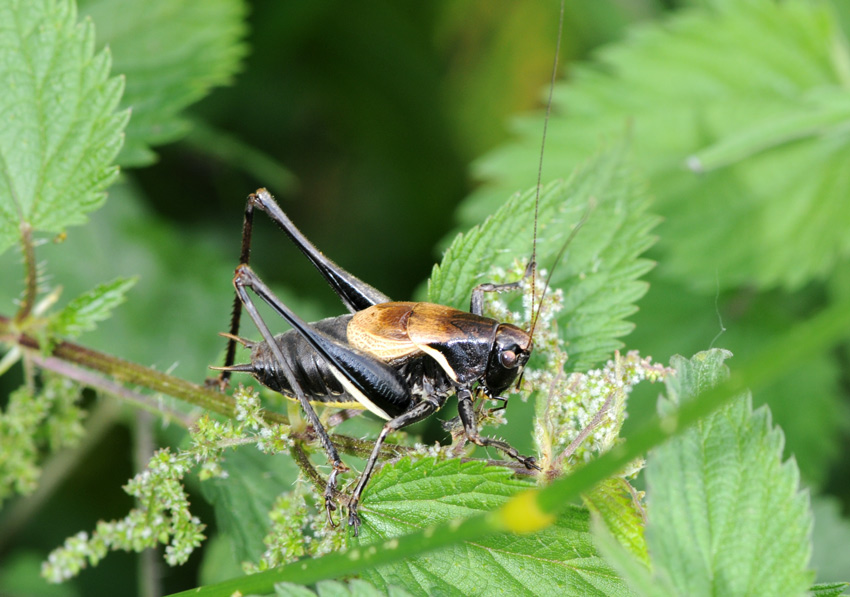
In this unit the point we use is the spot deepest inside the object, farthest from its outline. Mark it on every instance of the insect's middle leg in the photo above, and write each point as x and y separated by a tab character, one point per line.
466	410
420	411
476	301
244	279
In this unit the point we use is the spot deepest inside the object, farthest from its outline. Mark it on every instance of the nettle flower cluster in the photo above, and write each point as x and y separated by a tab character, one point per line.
36	422
162	515
579	415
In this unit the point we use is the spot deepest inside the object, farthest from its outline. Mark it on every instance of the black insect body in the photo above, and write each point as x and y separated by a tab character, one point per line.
400	360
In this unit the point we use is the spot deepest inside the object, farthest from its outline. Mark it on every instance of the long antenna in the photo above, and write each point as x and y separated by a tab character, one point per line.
540	172
555	263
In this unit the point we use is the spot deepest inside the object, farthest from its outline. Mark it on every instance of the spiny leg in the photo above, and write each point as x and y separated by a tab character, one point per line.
418	412
236	312
244	279
353	292
466	410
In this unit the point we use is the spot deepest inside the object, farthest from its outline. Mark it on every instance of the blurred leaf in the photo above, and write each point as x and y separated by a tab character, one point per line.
600	269
332	588
829	589
236	153
831	537
60	130
748	76
615	503
726	515
82	313
242	500
219	561
171	53
750	322
559	560
830	109
636	572
19	577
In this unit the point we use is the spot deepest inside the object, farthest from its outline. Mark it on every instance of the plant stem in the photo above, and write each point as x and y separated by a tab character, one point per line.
30	273
130	373
148	563
119	370
92	380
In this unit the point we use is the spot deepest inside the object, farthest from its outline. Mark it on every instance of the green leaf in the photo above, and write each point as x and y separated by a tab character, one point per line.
172	53
559	560
831	536
636	573
600	269
60	130
616	504
81	314
756	89
726	515
745	324
332	588
242	500
219	562
829	589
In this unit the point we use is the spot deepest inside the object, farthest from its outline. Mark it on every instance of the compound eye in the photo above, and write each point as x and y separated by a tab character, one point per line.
508	359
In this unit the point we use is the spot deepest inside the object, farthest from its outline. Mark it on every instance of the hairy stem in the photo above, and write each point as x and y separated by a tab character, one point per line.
92	380
30	273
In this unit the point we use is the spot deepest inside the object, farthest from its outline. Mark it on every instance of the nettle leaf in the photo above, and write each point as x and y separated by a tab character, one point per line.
600	271
726	515
60	130
172	52
830	538
615	502
752	95
242	501
829	589
82	313
634	570
749	327
560	560
332	588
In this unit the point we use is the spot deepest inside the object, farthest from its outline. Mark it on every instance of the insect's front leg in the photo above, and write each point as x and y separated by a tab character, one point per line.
244	279
466	410
420	411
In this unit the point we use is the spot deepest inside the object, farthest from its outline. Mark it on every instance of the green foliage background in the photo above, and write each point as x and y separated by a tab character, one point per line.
364	119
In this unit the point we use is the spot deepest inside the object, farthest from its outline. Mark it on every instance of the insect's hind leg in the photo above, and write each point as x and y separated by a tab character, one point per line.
236	311
243	280
476	301
355	294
